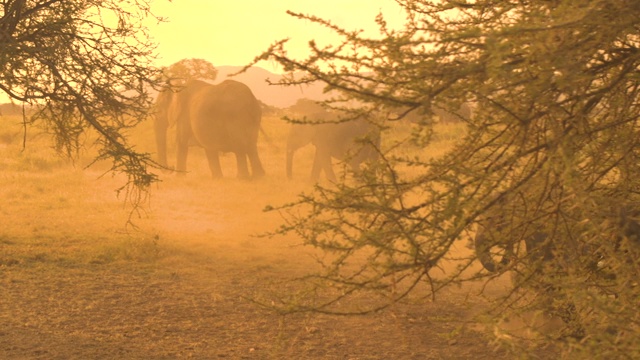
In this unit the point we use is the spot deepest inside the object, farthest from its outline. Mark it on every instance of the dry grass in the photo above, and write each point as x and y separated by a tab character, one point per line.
76	283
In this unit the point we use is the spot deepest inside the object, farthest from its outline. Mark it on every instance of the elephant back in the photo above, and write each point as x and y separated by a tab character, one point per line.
342	139
236	97
226	116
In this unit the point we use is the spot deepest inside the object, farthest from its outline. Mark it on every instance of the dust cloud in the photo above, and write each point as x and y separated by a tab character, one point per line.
192	277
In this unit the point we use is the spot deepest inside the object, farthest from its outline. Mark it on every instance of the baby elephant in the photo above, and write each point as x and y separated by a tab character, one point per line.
354	141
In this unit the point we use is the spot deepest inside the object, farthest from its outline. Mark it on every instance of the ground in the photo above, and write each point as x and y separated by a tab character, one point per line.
191	279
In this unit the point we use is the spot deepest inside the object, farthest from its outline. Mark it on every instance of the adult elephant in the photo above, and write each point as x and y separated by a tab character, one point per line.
496	255
220	118
354	141
544	262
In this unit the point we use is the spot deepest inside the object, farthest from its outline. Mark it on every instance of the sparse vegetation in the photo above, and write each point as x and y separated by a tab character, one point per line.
77	283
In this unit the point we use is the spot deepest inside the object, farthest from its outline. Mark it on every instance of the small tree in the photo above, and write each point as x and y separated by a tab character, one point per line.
187	69
549	159
83	65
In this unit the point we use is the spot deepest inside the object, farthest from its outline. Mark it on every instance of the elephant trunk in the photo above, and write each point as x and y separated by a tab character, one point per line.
483	245
161	141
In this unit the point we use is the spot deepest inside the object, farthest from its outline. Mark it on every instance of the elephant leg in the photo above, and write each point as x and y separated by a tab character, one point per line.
256	165
243	168
183	150
214	163
290	154
316	168
322	161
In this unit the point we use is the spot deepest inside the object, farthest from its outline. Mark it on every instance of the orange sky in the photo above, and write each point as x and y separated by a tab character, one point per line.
233	32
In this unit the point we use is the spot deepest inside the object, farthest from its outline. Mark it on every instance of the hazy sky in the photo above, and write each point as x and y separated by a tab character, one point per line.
233	32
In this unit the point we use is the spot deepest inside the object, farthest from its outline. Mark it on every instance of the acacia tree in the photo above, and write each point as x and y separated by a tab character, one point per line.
186	69
548	160
83	65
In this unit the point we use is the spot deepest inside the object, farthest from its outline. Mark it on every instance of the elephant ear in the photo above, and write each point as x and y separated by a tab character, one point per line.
163	99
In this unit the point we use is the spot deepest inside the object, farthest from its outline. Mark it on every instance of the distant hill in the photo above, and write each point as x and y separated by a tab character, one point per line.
278	96
255	78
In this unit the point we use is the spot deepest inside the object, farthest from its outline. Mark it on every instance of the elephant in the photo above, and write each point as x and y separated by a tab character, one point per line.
334	140
496	256
220	118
